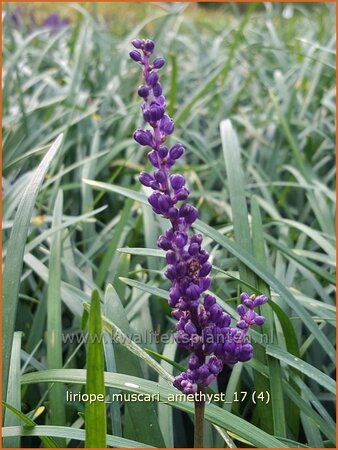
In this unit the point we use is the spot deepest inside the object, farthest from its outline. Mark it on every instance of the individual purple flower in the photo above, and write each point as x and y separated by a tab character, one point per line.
202	327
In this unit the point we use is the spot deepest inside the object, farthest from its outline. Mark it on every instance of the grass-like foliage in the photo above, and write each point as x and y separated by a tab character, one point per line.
252	93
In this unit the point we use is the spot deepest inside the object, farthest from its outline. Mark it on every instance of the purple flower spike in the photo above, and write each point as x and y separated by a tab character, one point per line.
202	327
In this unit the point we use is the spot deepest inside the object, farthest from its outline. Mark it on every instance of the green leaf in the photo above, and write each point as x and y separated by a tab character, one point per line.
142	251
146	287
122	338
88	170
221	72
14	259
303	261
95	412
111	250
114	411
304	367
274	383
126	192
46	431
312	433
128	356
14	391
54	320
292	143
173	85
306	408
294	395
236	186
315	235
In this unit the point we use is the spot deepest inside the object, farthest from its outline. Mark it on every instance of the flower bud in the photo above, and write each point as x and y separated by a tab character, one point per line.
181	194
170	257
204	372
176	314
176	151
181	269
135	55
248	303
172	213
215	311
241	324
153	200
153	113
152	78
209	300
143	137
205	283
166	125
181	239
162	151
205	269
158	62
164	243
190	328
203	256
215	365
161	99
193	291
157	91
143	91
193	249
198	238
192	215
149	46
194	362
170	273
153	158
260	300
146	179
243	296
174	294
259	320
137	43
225	320
241	310
177	181
160	176
164	203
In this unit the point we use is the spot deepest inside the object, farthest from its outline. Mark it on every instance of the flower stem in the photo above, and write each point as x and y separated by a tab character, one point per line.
199	419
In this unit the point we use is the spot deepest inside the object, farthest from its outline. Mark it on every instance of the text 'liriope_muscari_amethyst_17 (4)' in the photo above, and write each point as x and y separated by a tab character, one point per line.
202	328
